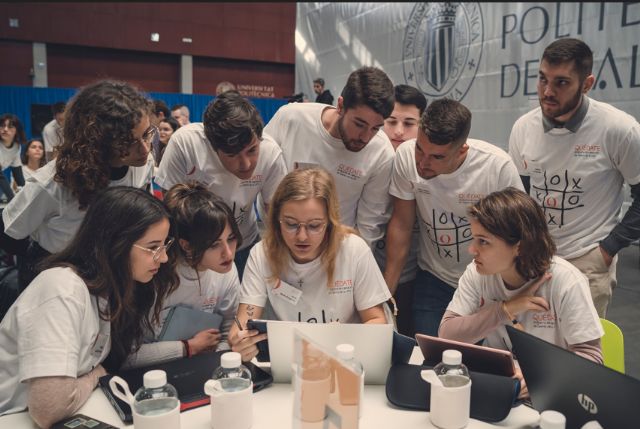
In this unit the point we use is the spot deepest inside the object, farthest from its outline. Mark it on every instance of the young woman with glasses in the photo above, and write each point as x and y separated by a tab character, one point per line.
207	237
106	141
309	267
88	309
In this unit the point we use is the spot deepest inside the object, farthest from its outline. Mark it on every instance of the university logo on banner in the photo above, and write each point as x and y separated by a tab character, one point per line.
442	48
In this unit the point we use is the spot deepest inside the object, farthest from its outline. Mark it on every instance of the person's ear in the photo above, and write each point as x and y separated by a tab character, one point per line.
184	245
340	106
588	83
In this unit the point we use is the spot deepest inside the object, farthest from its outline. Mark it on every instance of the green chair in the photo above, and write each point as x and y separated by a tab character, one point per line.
612	346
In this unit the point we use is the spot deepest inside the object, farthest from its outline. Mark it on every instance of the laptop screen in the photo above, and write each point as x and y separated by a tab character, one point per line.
372	343
580	389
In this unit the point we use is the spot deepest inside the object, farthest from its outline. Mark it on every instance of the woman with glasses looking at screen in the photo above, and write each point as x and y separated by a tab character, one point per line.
84	313
309	267
107	138
207	237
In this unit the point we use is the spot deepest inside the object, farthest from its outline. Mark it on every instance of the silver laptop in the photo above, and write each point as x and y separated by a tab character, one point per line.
372	343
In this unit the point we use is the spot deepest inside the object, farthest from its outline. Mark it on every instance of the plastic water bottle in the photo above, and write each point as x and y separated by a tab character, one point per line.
550	419
233	376
346	352
451	371
231	394
156	403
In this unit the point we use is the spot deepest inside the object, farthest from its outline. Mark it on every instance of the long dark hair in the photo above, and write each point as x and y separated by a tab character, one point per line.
25	155
99	123
100	253
20	137
515	217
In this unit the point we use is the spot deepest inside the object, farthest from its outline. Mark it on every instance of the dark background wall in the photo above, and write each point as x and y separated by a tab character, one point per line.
243	43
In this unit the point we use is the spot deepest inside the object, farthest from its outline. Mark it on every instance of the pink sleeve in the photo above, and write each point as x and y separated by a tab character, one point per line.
589	350
51	399
474	327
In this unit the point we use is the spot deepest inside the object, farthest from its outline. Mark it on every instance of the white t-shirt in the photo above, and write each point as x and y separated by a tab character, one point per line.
442	202
47	211
189	156
571	318
362	178
357	285
27	172
10	156
577	177
53	329
215	293
51	135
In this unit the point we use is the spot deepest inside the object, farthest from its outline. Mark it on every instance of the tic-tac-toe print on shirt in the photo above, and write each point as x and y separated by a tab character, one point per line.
558	194
448	232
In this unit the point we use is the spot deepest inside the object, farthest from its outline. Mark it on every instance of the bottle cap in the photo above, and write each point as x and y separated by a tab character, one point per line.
230	360
155	378
452	357
550	419
345	351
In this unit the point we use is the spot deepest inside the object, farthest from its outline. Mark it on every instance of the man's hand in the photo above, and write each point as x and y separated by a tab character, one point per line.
608	259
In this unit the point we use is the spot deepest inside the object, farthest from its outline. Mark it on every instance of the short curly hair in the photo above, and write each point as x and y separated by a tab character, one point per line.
99	125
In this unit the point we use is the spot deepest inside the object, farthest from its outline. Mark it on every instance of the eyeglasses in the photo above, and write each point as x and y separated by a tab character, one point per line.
313	228
148	135
157	251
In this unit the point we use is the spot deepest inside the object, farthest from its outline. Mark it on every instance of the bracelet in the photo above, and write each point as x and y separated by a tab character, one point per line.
514	321
187	348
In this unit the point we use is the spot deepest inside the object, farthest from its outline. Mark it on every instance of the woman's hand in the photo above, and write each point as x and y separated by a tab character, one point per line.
244	342
527	301
205	341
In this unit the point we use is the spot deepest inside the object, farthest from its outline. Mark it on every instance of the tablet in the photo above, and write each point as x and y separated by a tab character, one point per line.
476	358
183	323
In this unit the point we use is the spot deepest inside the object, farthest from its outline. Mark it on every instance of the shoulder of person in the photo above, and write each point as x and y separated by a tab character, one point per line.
565	273
58	282
610	116
487	148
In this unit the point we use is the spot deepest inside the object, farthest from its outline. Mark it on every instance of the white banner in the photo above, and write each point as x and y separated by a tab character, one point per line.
485	55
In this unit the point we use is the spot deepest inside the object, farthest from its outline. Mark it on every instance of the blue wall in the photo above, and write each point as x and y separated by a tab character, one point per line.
18	100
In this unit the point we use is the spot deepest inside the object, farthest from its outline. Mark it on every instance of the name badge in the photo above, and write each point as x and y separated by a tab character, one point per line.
99	344
298	165
287	292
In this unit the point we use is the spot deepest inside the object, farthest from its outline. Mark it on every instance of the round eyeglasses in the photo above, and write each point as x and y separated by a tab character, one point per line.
157	251
313	228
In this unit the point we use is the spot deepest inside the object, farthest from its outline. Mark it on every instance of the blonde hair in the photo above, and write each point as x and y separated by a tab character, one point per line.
300	185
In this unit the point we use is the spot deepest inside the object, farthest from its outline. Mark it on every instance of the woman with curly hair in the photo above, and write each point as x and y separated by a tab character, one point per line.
89	308
11	138
106	142
515	279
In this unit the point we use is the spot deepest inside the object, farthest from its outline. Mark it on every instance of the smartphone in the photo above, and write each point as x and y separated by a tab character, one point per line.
80	421
263	346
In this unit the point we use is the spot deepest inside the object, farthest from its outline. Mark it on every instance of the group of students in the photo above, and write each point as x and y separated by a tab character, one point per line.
106	259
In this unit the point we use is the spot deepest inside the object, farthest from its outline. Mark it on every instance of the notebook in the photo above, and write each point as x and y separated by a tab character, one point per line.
476	358
580	389
372	343
183	323
187	375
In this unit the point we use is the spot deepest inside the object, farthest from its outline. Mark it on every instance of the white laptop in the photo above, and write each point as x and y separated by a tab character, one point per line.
372	343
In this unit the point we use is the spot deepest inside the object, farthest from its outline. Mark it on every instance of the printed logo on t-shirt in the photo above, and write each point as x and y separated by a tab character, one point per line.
240	213
349	172
586	150
209	304
448	232
558	194
323	317
467	198
254	181
341	287
544	320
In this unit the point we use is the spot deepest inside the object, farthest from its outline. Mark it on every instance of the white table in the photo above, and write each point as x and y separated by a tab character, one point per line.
272	409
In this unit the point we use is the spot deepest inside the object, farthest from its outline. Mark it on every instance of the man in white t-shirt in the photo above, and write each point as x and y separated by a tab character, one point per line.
574	155
438	176
52	132
400	127
347	141
229	154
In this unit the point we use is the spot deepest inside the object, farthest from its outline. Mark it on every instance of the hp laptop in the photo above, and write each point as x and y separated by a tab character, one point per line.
186	375
578	388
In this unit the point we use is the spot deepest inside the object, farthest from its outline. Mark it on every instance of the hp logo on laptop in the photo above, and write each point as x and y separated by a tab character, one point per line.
587	403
